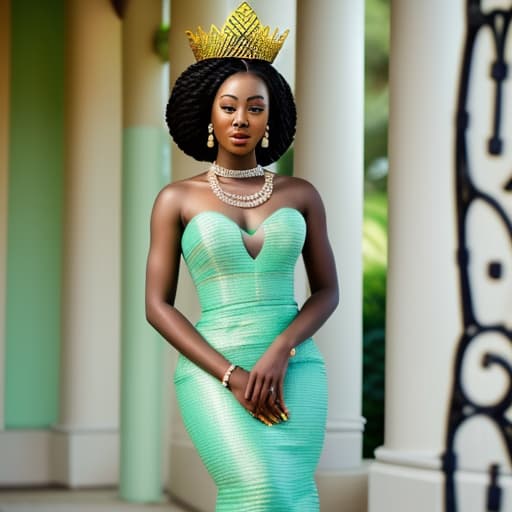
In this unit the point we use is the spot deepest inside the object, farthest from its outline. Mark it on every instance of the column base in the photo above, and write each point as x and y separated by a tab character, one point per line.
25	456
82	458
402	488
343	445
344	490
85	458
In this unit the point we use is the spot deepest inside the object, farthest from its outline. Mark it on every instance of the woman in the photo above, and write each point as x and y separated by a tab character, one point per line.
249	363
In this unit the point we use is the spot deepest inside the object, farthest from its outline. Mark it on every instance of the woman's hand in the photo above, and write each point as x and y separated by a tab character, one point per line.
269	412
265	385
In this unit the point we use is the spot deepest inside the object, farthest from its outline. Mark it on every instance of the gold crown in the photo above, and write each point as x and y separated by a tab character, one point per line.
242	36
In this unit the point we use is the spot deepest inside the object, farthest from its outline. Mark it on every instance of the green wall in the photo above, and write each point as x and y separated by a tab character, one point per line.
34	243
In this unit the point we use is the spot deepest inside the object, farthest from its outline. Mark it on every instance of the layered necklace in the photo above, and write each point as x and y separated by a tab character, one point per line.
241	200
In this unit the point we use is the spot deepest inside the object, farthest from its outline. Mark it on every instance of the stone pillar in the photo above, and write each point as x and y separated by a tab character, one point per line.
329	153
5	78
423	317
86	438
145	172
187	472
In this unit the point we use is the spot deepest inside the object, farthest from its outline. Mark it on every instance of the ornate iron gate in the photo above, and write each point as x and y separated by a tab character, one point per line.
463	405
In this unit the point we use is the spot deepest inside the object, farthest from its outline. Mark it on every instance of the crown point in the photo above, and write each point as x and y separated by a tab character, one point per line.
242	36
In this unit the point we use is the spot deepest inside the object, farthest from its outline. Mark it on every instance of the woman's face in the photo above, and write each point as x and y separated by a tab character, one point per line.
240	113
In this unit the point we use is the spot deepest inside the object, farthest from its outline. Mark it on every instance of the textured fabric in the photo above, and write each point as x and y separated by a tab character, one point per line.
246	302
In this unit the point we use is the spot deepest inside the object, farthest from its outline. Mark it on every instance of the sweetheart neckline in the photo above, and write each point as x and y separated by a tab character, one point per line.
227	217
243	232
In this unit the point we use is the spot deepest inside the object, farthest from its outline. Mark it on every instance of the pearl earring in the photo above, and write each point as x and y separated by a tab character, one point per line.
264	140
210	142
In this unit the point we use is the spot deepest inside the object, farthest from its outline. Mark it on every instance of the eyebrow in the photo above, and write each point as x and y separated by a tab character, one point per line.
256	97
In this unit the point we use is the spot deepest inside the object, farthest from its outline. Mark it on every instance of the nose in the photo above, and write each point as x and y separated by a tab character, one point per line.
240	121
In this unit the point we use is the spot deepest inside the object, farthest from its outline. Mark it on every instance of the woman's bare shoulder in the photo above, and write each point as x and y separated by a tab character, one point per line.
298	187
173	196
293	181
179	189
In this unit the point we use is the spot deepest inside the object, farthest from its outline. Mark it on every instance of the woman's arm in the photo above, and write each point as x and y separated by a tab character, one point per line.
321	271
322	276
161	281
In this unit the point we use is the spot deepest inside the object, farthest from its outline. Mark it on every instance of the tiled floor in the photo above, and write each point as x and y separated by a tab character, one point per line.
64	500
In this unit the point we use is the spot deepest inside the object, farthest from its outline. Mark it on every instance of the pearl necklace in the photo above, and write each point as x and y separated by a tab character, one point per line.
240	200
237	173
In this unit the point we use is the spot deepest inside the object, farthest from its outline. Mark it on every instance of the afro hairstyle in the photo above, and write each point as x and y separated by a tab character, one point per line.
189	107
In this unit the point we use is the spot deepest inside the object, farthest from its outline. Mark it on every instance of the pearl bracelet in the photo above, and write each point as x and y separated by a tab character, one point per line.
227	375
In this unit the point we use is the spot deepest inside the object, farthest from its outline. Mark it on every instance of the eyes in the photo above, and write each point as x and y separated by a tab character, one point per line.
253	109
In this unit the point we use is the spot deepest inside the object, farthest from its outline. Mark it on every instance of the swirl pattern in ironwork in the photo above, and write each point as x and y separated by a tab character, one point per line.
469	192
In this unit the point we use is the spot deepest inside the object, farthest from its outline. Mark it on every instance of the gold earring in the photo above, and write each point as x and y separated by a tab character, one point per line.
210	142
264	140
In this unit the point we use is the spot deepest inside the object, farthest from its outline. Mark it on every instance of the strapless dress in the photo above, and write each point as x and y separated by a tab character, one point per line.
245	303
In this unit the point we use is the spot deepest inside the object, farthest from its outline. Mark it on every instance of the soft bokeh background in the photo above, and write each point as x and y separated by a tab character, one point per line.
375	220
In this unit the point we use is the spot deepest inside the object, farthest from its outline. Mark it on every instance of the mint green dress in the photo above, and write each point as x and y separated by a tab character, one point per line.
245	303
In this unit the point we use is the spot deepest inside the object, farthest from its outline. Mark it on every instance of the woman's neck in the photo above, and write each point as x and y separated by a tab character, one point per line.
233	162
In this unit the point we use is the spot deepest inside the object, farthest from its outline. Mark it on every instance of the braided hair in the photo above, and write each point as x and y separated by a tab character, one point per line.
189	108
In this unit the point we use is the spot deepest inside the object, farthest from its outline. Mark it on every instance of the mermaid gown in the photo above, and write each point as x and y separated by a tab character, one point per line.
245	303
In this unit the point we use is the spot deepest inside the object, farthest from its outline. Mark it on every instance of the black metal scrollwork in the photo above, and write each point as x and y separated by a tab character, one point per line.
462	406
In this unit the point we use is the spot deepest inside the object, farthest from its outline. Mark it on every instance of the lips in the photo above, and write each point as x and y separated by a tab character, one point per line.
240	135
239	138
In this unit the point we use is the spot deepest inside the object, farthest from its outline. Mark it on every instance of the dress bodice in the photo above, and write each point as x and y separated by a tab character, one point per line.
224	272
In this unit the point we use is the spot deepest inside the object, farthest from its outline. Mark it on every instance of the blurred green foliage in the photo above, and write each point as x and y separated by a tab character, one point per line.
375	221
374	310
285	164
376	85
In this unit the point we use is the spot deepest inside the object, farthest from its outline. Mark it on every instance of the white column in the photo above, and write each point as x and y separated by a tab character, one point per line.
5	76
86	439
187	472
329	153
281	15
423	304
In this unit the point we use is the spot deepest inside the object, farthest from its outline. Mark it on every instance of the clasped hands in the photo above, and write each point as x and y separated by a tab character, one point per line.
260	391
